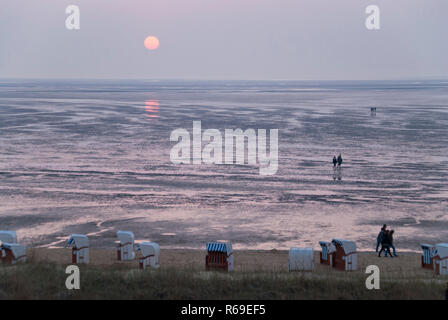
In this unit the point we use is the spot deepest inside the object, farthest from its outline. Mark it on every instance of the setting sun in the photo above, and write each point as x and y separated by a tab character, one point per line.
151	43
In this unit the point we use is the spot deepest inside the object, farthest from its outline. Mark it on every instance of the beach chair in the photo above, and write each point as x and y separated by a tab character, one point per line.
326	255
125	248
80	248
12	253
150	252
440	258
345	256
427	256
8	236
219	256
301	259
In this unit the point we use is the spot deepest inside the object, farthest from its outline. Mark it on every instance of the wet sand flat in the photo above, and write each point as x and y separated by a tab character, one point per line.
89	157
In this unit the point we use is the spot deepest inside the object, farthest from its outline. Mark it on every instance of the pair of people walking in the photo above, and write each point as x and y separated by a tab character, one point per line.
337	160
386	240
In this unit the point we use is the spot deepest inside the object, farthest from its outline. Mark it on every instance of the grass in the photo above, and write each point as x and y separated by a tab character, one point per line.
43	280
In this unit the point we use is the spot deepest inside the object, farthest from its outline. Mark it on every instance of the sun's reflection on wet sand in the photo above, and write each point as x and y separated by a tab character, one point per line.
152	109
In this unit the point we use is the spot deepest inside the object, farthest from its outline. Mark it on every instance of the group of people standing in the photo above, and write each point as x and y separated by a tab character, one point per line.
386	240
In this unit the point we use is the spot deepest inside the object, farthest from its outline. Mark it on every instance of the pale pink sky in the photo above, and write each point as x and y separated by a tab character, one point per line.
224	39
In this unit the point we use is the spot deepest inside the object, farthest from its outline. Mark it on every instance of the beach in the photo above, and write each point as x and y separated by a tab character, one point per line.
245	260
215	146
258	275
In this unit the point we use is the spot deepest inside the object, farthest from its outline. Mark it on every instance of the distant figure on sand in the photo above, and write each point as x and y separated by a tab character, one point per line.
337	170
380	236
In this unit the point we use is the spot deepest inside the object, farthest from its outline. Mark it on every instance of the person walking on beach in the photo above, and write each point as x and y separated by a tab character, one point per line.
380	236
339	160
385	245
335	161
391	240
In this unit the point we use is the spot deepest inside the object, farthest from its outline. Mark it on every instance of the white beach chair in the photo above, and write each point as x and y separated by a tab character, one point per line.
125	248
301	259
80	248
150	252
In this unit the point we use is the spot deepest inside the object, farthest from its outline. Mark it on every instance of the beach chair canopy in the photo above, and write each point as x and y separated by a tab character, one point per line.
429	251
8	236
125	237
426	246
148	248
17	249
347	245
328	245
224	247
301	250
441	250
78	241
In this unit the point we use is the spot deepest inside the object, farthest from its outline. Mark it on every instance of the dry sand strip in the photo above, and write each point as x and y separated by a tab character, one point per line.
406	266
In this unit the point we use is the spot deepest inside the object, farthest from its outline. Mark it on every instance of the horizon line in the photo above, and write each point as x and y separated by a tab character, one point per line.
217	79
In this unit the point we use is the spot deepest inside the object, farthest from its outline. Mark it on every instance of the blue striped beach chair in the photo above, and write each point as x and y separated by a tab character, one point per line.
427	256
326	255
219	256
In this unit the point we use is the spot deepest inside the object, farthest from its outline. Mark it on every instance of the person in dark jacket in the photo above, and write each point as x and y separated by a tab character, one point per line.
339	160
385	244
380	236
391	240
335	161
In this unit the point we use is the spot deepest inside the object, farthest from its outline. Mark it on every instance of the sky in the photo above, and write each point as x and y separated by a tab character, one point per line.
225	39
